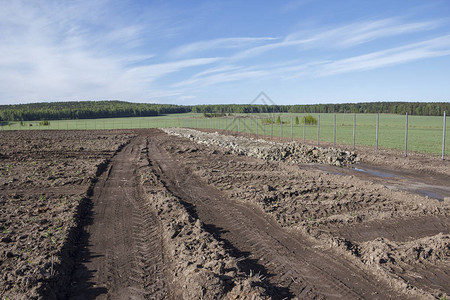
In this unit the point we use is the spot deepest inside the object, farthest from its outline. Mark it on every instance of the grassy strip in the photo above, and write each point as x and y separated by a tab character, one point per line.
424	132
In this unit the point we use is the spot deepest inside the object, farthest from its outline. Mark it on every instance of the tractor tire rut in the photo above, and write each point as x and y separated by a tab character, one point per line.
122	253
292	263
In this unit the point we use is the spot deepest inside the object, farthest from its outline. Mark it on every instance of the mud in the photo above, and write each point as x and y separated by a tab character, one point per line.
435	187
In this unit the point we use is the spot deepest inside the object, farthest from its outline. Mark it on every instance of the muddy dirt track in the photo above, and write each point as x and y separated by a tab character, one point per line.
123	257
168	218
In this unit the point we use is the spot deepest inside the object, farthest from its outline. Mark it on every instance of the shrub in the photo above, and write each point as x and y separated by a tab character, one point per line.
309	120
213	115
267	121
44	123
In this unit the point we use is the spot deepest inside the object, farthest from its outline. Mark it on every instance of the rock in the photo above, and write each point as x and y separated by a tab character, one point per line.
294	152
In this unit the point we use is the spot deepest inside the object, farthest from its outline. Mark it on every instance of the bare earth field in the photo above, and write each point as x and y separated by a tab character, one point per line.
192	215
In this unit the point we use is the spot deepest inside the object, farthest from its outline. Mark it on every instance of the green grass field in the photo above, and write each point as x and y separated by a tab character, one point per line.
424	132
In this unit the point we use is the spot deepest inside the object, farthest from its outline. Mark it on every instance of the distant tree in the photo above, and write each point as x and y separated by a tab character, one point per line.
278	121
309	120
297	121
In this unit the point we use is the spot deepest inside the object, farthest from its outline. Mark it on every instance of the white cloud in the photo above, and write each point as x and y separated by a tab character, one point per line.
431	48
216	70
222	77
152	72
292	5
48	53
79	50
294	69
342	37
227	43
362	32
186	97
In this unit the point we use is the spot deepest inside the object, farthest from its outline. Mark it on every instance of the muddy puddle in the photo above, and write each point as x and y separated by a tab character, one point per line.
434	187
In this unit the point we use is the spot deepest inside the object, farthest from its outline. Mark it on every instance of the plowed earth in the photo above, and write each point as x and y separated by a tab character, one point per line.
146	215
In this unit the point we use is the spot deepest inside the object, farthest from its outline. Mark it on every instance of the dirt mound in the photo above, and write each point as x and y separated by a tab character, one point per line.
405	261
430	249
293	152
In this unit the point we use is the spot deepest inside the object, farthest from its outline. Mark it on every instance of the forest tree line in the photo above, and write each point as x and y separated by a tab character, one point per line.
85	110
115	109
412	108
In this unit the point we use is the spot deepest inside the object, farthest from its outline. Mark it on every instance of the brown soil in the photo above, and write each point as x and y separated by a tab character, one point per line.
45	181
288	259
344	209
162	217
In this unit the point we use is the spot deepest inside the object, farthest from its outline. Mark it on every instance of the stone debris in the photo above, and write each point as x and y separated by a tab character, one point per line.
272	151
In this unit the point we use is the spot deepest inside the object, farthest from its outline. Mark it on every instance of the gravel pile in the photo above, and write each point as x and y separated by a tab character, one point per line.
293	151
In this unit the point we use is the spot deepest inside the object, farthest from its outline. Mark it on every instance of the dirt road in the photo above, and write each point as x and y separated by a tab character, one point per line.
122	254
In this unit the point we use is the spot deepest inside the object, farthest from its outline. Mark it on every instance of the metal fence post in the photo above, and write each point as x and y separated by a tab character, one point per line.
243	127
239	125
264	128
292	129
271	130
318	130
256	122
376	142
304	129
443	138
334	134
406	136
354	131
281	130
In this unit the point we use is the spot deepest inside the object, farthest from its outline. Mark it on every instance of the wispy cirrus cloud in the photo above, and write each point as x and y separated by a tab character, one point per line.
154	71
111	49
222	77
222	43
357	33
47	49
436	47
293	5
345	36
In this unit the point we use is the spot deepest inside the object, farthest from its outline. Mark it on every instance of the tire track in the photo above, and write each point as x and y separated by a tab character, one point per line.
123	255
288	259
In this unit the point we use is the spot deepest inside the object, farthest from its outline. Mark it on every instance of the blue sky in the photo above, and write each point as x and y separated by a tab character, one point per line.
199	52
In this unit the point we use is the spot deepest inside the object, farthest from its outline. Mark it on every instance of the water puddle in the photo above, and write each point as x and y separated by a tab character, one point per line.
332	170
392	180
376	173
431	195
